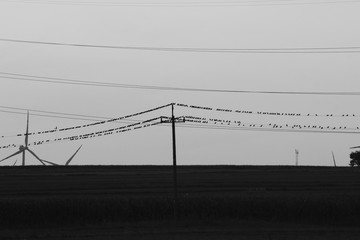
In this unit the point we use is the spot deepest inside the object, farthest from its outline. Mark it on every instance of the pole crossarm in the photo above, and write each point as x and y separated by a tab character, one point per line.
164	119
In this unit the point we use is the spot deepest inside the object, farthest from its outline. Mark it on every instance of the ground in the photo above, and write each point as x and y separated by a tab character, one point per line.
215	202
241	230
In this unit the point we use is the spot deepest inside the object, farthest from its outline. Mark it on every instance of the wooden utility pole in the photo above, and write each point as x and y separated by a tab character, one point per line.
174	163
173	120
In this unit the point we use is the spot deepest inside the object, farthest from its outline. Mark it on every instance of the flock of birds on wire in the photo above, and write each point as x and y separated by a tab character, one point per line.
188	121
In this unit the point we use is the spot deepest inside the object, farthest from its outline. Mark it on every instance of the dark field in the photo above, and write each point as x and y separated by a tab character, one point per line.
215	202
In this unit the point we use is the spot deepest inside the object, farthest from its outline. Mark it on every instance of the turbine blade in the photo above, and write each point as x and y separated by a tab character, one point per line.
36	156
68	161
15	162
52	163
18	152
42	160
27	130
355	147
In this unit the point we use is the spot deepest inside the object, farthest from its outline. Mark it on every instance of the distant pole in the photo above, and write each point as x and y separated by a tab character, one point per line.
174	163
333	158
26	137
296	157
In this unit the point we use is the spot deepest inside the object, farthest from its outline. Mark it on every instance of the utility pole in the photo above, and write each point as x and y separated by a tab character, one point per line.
173	120
26	138
174	164
333	158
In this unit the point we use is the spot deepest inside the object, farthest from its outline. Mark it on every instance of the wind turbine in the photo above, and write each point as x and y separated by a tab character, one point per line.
296	157
25	147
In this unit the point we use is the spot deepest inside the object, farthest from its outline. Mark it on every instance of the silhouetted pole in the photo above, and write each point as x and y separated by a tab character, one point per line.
334	159
174	163
26	137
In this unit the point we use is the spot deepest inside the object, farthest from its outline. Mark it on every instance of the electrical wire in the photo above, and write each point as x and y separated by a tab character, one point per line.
91	124
264	113
51	116
185	3
190	119
348	49
237	123
204	126
56	115
53	80
106	132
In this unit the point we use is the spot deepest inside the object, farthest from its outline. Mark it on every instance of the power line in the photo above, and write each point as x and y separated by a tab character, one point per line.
281	126
56	114
187	4
191	122
92	124
267	113
349	49
63	117
87	117
51	116
52	80
133	126
190	119
204	126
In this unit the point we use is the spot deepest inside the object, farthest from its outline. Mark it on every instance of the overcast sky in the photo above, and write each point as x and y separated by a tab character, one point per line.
173	24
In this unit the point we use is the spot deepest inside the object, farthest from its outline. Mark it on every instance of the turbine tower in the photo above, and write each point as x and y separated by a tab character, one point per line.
296	157
25	147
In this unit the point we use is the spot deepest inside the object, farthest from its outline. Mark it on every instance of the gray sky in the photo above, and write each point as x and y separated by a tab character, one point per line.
194	24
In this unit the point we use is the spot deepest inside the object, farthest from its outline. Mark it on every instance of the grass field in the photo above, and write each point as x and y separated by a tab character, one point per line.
82	196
